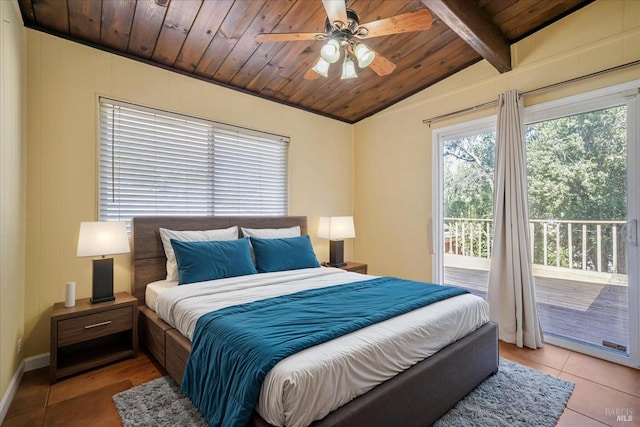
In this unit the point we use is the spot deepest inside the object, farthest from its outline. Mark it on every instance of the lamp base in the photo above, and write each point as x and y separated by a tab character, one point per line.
99	300
336	253
102	281
342	264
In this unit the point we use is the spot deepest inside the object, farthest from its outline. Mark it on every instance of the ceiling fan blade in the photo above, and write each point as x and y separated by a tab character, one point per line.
311	75
419	20
336	10
381	65
285	37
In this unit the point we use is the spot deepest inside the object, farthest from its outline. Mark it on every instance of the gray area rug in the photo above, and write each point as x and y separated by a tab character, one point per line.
515	396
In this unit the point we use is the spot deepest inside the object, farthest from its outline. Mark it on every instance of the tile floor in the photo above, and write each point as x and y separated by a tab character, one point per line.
603	389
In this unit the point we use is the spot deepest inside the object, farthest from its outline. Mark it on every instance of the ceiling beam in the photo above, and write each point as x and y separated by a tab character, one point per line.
471	24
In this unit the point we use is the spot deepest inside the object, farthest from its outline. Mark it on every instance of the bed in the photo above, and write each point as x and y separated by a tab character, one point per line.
416	396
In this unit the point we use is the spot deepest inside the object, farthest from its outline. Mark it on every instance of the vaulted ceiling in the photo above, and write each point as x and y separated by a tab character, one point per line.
215	41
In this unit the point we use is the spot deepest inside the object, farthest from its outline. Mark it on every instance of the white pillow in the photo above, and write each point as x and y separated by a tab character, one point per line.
271	233
230	233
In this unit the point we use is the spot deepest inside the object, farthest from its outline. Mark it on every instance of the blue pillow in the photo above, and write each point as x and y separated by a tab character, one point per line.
210	260
283	254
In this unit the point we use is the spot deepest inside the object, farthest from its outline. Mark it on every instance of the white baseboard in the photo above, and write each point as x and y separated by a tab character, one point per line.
11	391
28	364
36	362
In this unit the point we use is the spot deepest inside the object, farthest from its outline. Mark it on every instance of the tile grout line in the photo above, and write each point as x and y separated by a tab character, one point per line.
565	361
604	385
600	384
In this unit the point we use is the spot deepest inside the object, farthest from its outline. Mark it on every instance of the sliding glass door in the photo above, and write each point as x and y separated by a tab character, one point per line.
583	196
583	186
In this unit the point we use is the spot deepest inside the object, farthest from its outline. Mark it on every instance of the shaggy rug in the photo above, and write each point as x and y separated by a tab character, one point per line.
515	396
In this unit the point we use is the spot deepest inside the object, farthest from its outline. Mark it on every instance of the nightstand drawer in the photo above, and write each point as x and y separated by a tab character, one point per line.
94	325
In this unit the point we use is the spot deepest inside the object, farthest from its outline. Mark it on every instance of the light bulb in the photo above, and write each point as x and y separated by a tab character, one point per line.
364	54
330	52
322	67
348	69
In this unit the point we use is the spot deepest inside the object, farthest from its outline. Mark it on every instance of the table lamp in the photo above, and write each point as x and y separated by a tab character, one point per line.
101	239
336	228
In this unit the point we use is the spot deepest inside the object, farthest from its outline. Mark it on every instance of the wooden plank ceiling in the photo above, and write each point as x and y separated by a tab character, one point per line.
214	40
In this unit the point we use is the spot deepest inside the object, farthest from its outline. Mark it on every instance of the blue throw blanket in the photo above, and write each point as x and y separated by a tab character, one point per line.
234	348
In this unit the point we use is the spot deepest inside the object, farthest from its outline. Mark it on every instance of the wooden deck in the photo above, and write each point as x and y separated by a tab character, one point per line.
586	312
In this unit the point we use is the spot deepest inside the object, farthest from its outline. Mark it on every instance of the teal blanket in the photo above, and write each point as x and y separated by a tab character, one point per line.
234	348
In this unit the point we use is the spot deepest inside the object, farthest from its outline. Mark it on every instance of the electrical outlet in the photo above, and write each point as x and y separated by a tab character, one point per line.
19	346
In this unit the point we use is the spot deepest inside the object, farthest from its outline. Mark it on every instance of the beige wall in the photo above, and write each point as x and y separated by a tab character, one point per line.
12	189
393	157
379	169
65	80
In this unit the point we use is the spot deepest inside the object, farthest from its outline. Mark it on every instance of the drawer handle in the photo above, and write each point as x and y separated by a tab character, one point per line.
95	325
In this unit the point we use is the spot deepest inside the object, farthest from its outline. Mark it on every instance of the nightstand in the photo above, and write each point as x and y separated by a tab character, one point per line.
356	267
90	335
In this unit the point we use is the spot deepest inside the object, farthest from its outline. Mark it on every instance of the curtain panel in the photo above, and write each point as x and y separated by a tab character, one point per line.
511	294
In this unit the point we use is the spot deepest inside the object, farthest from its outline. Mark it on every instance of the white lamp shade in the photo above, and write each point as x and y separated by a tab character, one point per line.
365	55
322	67
330	52
102	238
348	69
336	227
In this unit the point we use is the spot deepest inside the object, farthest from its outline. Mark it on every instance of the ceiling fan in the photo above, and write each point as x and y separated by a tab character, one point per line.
343	35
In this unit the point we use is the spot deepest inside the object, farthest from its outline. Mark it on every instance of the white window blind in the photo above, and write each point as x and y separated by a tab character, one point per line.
158	163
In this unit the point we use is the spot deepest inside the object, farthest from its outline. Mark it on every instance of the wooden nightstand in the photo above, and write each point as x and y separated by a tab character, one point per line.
356	267
89	335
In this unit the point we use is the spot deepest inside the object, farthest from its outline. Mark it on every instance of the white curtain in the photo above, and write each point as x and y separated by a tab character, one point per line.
511	295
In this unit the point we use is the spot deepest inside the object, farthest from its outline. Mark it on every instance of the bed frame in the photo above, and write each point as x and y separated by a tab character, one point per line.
416	397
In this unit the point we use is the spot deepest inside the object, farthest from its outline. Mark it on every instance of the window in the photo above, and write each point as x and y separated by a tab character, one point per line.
157	163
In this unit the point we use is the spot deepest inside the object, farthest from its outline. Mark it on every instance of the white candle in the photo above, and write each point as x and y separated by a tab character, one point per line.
70	296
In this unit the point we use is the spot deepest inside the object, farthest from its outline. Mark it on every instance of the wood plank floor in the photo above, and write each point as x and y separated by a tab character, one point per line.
599	313
81	400
602	388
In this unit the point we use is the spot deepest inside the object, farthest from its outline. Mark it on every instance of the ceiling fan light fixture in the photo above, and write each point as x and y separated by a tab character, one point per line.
322	67
364	55
348	69
330	52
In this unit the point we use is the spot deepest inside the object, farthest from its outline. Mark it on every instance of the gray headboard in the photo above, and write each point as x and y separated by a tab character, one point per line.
148	262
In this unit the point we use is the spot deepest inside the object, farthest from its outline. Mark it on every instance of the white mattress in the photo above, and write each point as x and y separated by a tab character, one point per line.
154	289
308	385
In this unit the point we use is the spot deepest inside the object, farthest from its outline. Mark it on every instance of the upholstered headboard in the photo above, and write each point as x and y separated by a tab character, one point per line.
148	262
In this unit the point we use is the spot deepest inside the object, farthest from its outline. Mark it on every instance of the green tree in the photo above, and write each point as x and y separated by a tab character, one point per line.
468	176
576	169
577	166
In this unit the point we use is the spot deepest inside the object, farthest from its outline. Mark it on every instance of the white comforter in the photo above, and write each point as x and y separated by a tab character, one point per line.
308	385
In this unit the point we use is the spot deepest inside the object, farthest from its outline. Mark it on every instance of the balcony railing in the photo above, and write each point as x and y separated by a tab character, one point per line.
585	245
